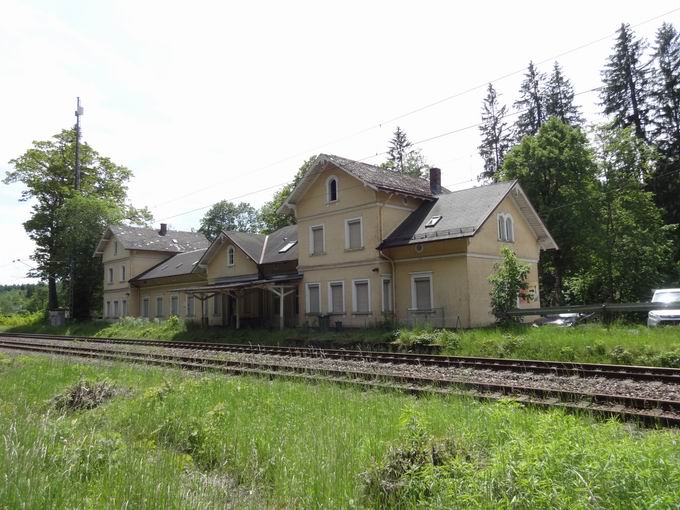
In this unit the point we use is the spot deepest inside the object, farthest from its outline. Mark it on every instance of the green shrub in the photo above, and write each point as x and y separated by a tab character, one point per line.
23	319
415	337
567	353
621	356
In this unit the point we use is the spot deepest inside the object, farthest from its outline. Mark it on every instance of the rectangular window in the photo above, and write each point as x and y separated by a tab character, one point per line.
159	307
421	291
115	309
361	296
313	298
217	304
145	307
125	310
336	297
353	234
386	294
122	273
110	275
108	308
190	306
174	305
318	240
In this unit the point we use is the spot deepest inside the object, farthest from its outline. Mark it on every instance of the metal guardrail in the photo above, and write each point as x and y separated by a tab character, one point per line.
601	308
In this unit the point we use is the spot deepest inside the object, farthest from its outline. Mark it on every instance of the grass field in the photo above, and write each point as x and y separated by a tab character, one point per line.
176	440
620	343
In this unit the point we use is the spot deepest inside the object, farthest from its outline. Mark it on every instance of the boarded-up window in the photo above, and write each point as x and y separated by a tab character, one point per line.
217	304
354	234
422	286
361	297
337	304
317	240
190	306
174	305
313	298
145	307
387	295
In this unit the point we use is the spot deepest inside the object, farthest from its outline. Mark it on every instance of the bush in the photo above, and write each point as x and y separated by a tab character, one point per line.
418	337
85	395
23	319
621	356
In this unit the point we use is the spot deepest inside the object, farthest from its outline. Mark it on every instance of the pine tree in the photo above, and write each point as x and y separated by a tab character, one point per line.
531	104
402	158
559	98
665	131
496	138
625	95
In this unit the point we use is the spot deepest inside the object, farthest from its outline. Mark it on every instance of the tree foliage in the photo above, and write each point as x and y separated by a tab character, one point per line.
531	103
508	280
559	98
227	216
269	216
557	171
47	171
625	95
402	158
496	137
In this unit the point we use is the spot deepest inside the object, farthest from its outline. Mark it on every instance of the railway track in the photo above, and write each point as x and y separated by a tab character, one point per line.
635	373
644	410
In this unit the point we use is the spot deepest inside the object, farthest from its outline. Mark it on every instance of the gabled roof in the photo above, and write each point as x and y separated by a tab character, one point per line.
149	239
261	249
372	176
177	265
463	213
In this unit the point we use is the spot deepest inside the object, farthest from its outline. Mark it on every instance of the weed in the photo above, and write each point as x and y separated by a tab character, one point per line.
85	394
620	356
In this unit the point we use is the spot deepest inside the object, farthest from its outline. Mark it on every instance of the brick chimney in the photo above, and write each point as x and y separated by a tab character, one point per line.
164	229
435	181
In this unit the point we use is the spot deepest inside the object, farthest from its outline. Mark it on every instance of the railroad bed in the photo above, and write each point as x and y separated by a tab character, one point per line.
647	394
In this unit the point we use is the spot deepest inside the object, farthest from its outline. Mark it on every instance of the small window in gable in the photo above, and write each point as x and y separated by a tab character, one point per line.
509	232
332	189
115	247
506	231
287	246
231	256
433	221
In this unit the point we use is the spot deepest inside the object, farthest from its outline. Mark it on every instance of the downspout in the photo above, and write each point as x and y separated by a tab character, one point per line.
391	261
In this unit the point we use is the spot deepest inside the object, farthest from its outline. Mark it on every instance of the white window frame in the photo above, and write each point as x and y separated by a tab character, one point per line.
110	275
323	239
361	233
123	271
307	303
502	219
414	300
231	256
328	189
354	295
330	296
383	279
145	307
159	306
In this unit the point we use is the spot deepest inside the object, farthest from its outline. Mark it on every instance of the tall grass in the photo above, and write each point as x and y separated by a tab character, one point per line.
175	440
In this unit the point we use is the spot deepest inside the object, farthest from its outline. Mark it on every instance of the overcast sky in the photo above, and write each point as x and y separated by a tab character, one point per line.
207	101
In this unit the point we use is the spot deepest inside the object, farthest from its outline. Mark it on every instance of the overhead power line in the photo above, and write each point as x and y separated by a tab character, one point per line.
422	108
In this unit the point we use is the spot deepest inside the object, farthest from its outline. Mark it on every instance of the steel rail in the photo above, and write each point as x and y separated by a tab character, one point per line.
562	368
645	410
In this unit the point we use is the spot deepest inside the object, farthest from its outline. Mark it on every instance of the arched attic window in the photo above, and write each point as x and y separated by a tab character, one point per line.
332	189
231	256
505	228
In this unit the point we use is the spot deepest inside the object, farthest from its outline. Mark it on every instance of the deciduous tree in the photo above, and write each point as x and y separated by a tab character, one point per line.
225	215
507	281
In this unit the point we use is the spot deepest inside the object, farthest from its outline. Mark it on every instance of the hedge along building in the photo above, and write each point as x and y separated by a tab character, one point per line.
370	245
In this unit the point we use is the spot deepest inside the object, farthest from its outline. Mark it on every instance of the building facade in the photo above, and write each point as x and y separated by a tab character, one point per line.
369	246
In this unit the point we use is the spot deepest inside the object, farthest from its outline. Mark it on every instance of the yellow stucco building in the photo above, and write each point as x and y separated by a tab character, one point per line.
369	246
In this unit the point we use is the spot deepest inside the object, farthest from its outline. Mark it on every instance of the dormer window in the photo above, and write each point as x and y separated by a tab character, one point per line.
332	189
287	246
506	232
432	221
231	256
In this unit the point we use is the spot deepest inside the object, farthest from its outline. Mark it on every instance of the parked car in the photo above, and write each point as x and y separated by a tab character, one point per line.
564	320
666	316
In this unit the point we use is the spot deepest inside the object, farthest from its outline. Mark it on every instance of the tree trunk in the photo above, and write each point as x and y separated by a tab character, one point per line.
52	300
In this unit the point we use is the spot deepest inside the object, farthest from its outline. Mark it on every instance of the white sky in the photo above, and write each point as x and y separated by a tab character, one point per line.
207	101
